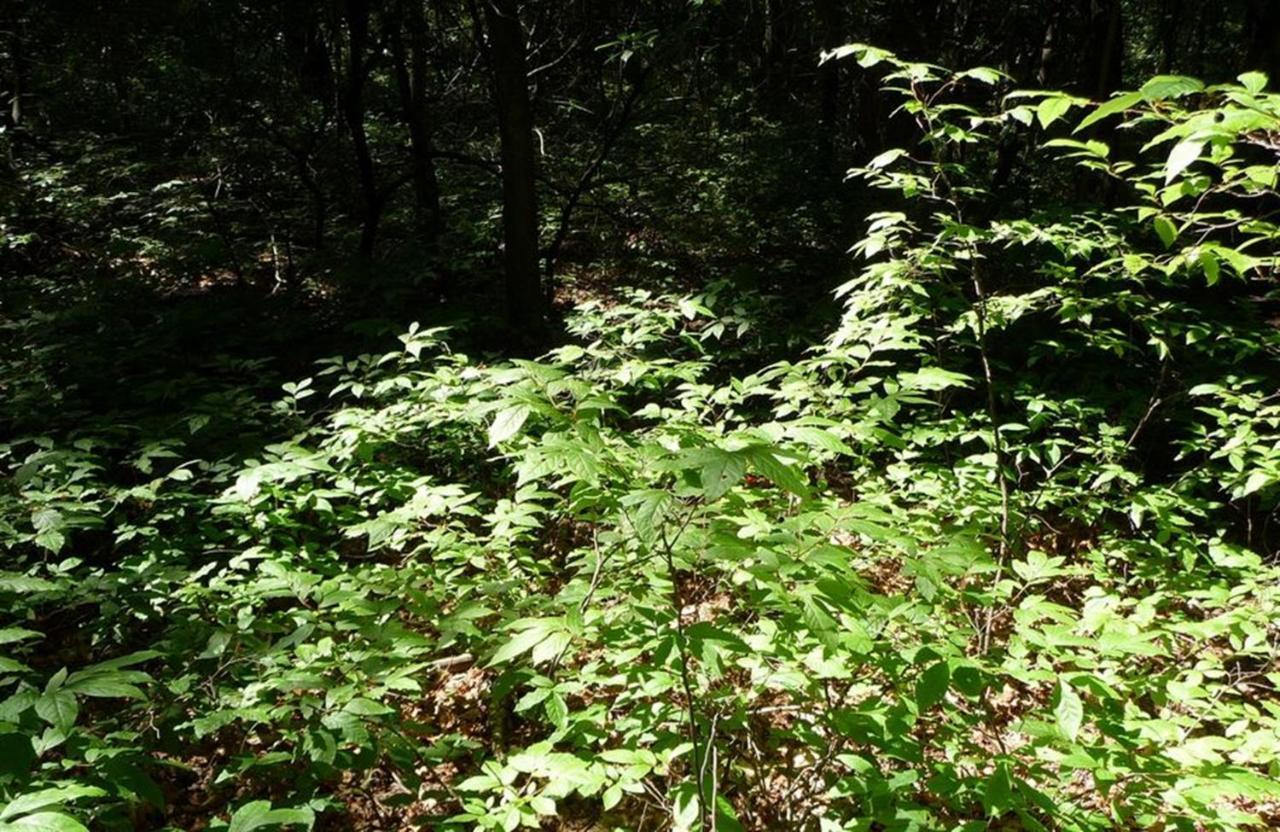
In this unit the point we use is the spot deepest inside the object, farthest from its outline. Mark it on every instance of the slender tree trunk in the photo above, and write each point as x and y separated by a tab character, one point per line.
1048	54
1170	14
769	47
16	114
19	55
411	80
353	108
830	18
1262	34
1101	71
525	312
319	203
312	58
1111	74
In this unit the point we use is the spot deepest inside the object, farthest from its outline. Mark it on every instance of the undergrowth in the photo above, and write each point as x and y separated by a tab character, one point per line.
997	553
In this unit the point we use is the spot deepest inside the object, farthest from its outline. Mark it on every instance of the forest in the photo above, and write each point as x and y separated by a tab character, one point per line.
639	415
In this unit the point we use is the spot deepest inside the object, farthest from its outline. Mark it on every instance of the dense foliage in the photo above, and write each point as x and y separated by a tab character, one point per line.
988	542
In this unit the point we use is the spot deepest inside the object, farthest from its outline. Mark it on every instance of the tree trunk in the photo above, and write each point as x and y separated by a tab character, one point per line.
830	20
525	302
19	70
1262	33
1048	57
411	81
1101	72
1170	15
353	112
310	55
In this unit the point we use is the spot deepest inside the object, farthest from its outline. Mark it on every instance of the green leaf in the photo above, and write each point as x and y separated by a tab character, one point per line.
522	643
13	582
1069	712
932	686
726	817
1163	87
1052	108
997	796
1256	482
820	623
780	473
259	813
46	519
563	455
685	806
708	642
29	803
59	709
933	378
1211	267
117	663
105	687
12	634
507	424
46	822
12	708
51	539
819	438
550	648
984	74
1109	108
885	159
1165	230
1254	82
1180	158
557	711
719	471
55	681
479	783
647	511
367	707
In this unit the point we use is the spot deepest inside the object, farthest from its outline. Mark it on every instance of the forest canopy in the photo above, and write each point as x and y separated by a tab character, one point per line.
655	415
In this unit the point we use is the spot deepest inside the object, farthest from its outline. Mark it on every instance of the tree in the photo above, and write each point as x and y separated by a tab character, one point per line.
1262	33
1101	71
525	301
411	83
353	110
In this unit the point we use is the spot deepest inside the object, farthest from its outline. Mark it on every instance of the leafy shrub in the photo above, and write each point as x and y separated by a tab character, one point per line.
988	555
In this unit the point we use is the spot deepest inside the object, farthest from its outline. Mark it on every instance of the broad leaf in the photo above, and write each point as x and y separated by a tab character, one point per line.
1069	712
507	424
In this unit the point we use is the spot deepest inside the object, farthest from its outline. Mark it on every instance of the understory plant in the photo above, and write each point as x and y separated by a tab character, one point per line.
998	553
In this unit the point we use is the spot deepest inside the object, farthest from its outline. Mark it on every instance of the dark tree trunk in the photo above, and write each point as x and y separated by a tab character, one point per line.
1170	15
310	55
1262	33
525	302
319	202
411	81
830	19
19	70
1101	72
770	49
353	109
1047	54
